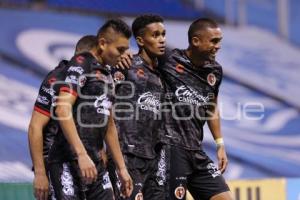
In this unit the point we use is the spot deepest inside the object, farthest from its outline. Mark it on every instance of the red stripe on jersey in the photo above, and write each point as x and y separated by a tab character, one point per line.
66	89
44	112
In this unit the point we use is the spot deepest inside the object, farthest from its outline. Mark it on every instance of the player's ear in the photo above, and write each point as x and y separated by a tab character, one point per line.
195	41
102	44
139	41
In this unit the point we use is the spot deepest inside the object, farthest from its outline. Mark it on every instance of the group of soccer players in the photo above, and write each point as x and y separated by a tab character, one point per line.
146	112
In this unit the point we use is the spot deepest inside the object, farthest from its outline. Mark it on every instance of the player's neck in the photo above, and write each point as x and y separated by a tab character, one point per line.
150	60
96	55
197	60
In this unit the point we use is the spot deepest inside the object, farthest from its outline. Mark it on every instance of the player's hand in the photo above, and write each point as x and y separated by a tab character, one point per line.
87	168
125	60
126	182
41	186
222	158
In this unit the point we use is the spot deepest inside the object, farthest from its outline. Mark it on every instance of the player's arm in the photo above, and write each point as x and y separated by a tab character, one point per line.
66	121
112	141
35	137
214	125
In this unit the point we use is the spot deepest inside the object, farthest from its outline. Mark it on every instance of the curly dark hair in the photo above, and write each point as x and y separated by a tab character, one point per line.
142	21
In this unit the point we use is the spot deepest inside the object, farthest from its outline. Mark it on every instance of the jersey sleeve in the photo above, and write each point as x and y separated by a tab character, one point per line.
77	72
43	102
219	77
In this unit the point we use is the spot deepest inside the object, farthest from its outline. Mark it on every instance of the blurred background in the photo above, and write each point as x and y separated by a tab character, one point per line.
259	99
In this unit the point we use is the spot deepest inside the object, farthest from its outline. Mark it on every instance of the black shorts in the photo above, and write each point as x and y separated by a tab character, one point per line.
192	170
143	173
66	183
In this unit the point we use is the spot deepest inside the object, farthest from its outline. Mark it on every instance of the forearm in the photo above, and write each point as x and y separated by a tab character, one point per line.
213	121
67	124
214	124
35	139
112	141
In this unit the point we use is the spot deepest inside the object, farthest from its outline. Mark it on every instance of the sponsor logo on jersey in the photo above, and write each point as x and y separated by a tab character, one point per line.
72	79
77	69
179	192
179	68
106	182
103	104
48	90
189	95
43	100
162	169
211	79
213	170
148	101
67	181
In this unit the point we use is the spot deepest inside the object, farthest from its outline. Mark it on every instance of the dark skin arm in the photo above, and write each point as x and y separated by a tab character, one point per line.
112	141
66	121
215	128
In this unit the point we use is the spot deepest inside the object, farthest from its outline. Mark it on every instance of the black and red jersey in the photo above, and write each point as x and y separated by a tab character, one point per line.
93	87
137	108
45	103
190	92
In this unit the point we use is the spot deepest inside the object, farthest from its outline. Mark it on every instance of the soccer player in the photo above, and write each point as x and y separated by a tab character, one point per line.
83	113
42	128
192	79
137	107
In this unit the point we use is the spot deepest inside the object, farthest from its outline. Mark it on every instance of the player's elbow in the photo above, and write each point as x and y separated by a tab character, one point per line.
34	128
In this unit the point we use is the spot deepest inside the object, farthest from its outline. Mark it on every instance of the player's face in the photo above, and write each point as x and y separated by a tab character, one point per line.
153	39
208	42
112	50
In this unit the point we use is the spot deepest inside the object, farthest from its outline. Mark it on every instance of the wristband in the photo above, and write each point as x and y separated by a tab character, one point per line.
219	142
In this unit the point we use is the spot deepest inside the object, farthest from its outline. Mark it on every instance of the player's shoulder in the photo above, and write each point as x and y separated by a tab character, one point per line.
82	59
213	65
137	61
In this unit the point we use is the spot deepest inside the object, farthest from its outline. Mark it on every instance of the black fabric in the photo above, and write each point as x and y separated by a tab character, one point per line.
192	170
189	93
137	108
66	183
143	173
46	101
93	86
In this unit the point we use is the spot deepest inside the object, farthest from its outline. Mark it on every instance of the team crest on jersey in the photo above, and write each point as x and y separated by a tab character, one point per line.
119	76
82	81
140	73
101	76
211	79
79	59
139	196
179	68
180	192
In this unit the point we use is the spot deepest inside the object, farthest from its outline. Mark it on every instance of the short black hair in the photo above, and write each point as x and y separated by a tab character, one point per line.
86	43
142	21
200	24
117	25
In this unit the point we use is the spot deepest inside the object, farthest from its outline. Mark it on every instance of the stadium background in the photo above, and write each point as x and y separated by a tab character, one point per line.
260	57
